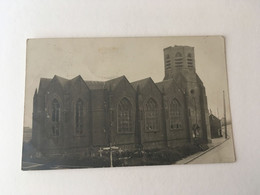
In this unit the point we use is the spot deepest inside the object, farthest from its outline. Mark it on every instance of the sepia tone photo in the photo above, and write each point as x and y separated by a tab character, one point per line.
113	102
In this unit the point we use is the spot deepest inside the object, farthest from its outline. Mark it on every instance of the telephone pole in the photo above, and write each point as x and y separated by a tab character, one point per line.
225	119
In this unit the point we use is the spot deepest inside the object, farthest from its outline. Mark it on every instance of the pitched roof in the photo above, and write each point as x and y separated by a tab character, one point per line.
141	83
62	81
112	84
165	84
66	84
44	83
74	80
95	84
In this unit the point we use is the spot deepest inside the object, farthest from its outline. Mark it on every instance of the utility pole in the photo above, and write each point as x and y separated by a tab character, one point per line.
225	119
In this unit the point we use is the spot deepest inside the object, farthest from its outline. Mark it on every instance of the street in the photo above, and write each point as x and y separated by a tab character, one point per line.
223	153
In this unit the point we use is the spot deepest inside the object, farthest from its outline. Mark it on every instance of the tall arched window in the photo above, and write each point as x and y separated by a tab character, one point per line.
178	59
189	59
79	117
124	116
55	118
151	116
175	115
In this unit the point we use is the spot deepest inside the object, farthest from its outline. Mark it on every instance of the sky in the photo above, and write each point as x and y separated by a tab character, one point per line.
102	59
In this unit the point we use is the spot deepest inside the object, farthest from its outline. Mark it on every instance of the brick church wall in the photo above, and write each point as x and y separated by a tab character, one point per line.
151	139
125	140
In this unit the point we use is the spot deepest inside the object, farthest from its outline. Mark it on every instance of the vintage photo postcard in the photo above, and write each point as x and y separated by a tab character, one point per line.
113	102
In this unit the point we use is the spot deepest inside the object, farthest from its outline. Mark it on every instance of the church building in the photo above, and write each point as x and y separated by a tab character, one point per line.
78	116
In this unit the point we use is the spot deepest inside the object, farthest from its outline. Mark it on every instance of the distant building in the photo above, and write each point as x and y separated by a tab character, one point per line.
215	126
79	116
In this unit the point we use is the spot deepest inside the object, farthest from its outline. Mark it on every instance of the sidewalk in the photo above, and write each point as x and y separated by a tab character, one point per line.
215	143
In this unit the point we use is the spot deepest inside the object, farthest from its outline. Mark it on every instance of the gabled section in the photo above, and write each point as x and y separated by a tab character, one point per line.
59	81
94	85
75	79
44	84
65	84
120	83
73	82
140	83
112	84
143	84
62	81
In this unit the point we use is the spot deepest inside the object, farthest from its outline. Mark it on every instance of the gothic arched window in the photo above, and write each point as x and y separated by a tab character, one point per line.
189	59
55	118
79	117
124	116
178	59
175	115
151	115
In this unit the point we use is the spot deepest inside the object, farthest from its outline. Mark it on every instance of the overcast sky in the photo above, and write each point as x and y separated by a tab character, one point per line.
136	58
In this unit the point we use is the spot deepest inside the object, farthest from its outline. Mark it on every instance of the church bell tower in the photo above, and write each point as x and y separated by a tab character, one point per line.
179	64
178	59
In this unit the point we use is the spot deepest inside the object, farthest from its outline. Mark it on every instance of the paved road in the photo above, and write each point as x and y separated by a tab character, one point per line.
220	154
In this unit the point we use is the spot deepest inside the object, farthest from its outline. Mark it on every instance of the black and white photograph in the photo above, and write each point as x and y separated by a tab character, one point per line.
130	97
120	102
